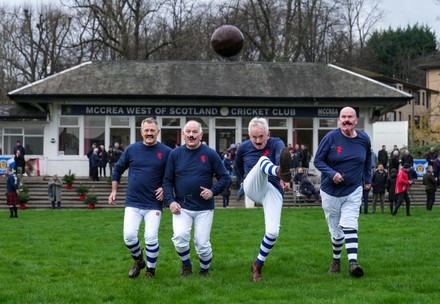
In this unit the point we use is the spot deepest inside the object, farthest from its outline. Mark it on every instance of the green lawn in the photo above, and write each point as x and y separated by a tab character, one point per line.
78	256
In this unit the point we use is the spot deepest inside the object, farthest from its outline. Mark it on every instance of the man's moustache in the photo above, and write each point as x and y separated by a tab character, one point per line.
347	123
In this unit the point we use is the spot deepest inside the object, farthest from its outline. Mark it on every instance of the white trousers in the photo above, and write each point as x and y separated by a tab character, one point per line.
182	224
257	187
341	212
132	221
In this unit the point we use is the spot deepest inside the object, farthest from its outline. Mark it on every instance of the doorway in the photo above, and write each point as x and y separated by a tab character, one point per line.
224	139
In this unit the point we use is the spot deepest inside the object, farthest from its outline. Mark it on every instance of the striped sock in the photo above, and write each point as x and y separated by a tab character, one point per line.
185	257
152	251
351	244
205	261
268	167
337	248
135	249
265	248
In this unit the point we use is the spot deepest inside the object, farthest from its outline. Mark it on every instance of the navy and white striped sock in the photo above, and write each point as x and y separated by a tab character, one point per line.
337	248
135	249
265	248
268	167
205	261
351	244
185	257
152	251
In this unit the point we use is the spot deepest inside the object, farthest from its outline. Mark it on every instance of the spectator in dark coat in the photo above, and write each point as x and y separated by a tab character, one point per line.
297	178
391	188
89	156
395	161
395	148
118	151
227	162
95	164
382	157
19	163
103	155
18	146
299	154
408	159
379	181
294	163
373	159
431	156
111	159
430	182
308	189
305	157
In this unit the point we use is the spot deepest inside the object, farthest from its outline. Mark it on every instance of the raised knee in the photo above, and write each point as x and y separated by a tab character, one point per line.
151	239
130	238
181	239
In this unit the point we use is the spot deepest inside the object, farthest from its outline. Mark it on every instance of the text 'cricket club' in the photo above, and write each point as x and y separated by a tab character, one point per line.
223	111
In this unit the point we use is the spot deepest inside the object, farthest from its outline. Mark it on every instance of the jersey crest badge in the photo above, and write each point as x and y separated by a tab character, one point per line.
339	150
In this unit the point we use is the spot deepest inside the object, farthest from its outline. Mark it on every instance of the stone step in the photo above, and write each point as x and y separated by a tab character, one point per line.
70	199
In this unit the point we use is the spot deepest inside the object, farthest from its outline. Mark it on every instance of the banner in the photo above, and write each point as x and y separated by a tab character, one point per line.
420	166
187	110
5	162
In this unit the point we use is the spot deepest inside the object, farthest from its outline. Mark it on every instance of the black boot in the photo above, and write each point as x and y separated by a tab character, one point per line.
138	265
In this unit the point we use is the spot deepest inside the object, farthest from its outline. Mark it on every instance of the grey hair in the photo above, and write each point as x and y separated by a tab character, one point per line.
199	125
150	120
258	122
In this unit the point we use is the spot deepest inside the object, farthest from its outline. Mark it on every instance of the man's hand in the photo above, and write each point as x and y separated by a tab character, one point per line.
337	179
285	185
112	198
159	194
175	208
206	193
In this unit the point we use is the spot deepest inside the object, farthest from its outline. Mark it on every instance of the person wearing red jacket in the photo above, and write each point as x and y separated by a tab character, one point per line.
402	186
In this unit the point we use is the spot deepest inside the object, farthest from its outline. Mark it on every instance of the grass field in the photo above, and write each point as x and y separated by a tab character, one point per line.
78	256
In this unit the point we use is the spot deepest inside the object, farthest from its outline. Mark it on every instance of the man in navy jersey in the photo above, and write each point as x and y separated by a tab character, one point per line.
262	160
146	160
344	160
189	192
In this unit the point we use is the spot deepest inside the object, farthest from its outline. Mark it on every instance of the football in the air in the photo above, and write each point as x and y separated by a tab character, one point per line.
227	41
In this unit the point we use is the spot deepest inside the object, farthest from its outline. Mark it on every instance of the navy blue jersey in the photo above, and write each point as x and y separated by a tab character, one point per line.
351	157
146	166
187	170
12	183
247	156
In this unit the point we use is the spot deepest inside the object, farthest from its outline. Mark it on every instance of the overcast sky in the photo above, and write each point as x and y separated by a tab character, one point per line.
398	12
404	12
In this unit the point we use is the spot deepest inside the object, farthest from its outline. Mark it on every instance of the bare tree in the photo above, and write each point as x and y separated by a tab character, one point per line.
285	30
357	19
35	43
123	27
187	26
